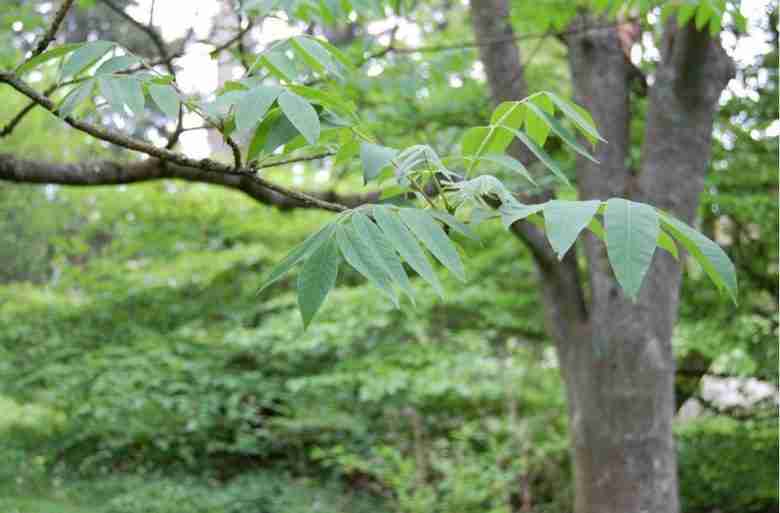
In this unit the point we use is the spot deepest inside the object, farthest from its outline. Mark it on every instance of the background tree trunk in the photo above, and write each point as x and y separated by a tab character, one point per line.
615	355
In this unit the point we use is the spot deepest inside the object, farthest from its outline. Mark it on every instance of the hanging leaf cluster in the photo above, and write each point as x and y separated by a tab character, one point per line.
426	199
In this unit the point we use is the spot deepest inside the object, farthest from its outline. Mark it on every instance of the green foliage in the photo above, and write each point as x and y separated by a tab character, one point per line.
151	352
147	348
718	461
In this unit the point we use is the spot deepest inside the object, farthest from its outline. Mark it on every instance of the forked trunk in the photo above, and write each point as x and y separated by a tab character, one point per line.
615	355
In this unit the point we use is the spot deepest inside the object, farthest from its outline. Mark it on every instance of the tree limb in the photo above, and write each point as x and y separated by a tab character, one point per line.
51	32
106	172
165	154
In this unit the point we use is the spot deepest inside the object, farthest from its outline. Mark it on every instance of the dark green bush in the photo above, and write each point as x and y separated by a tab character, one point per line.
728	465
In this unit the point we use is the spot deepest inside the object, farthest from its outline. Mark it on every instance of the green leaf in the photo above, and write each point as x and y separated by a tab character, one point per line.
407	246
685	13
455	224
166	98
513	212
330	101
313	53
383	251
115	64
577	115
480	140
305	49
302	115
375	158
357	252
253	105
508	162
54	53
703	14
122	91
297	254
274	131
709	255
508	114
279	65
562	132
536	126
347	150
472	139
564	220
667	243
598	230
542	155
337	54
433	237
85	57
632	234
75	98
317	278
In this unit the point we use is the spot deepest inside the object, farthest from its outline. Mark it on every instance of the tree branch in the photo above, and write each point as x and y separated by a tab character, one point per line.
154	36
164	154
51	32
106	172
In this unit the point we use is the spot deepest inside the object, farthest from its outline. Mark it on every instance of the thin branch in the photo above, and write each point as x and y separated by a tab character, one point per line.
490	42
238	38
163	154
154	36
51	32
235	149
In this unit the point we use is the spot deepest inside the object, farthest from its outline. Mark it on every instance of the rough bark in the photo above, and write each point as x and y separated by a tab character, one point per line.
615	355
106	172
620	374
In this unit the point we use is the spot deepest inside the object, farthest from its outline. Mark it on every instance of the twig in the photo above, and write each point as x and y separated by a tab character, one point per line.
490	42
236	151
149	30
51	32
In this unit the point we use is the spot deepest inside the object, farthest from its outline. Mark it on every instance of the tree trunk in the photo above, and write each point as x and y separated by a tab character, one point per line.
619	371
615	355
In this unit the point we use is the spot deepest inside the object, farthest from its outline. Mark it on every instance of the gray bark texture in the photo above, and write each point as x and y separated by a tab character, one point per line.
615	355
